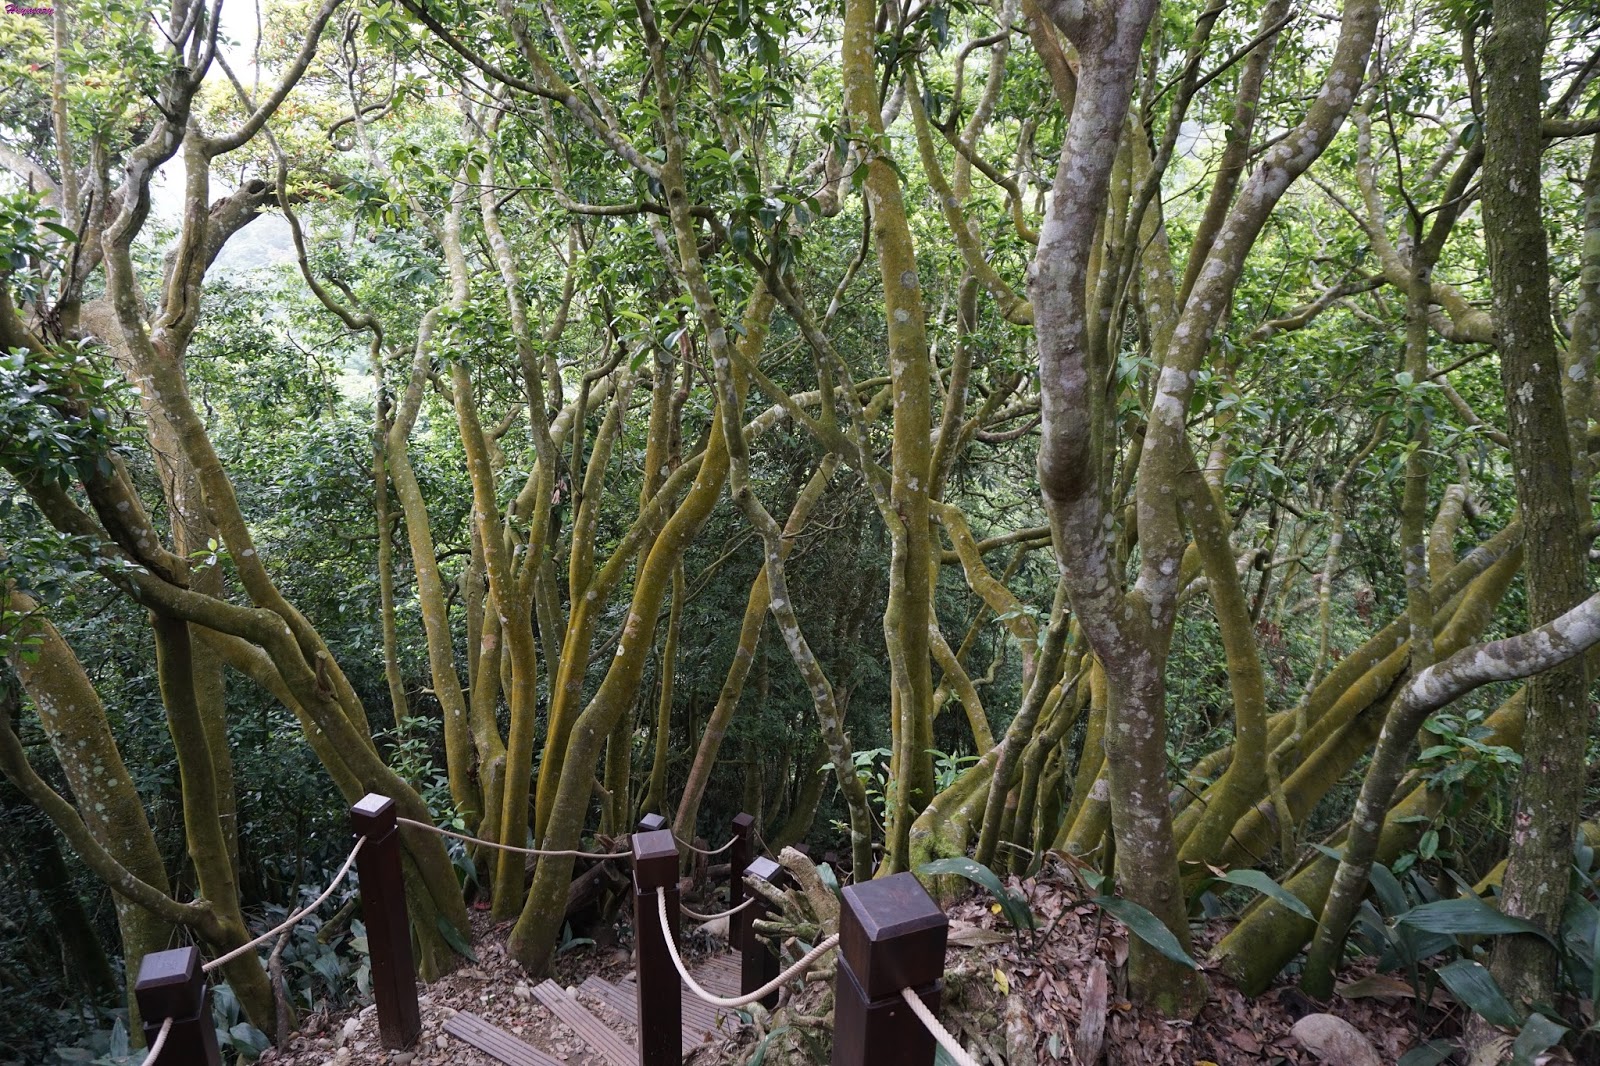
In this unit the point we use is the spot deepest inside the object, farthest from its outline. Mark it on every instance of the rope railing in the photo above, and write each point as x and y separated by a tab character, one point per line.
940	1033
702	851
904	958
805	963
697	916
158	1043
294	919
550	852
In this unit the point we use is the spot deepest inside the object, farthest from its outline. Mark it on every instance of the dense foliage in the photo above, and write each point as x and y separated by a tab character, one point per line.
1157	432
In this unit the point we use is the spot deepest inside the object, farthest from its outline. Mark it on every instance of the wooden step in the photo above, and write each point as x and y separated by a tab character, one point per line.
698	1015
496	1042
719	975
620	1001
591	1030
624	1002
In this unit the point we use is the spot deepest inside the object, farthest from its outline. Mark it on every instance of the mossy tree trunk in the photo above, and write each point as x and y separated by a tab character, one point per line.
1550	789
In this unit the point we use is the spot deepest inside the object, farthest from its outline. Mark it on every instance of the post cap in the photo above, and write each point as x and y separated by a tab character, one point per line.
373	813
743	824
651	823
655	860
762	868
892	935
170	984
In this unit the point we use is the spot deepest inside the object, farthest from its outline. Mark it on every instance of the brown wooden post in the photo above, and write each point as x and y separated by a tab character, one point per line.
383	909
758	963
744	845
651	823
891	936
172	985
655	865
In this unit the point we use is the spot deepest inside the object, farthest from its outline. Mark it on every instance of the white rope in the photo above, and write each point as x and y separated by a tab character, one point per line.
703	851
940	1033
521	851
737	1001
161	1042
293	919
720	914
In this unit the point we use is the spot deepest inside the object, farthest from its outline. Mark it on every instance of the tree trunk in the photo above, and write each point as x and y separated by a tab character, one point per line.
1550	788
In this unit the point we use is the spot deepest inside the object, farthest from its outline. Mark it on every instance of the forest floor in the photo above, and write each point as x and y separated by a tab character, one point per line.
1035	998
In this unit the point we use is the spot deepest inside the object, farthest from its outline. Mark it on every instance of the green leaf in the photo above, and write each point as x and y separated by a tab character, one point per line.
248	1039
1268	887
1387	888
1467	916
830	879
1538	1034
1428	1053
453	937
760	1054
1015	909
1146	927
1476	990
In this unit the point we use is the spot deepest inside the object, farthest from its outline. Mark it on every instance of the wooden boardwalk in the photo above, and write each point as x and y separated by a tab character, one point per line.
605	1016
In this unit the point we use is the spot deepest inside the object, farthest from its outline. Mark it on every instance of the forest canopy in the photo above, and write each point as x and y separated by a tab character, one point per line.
1152	438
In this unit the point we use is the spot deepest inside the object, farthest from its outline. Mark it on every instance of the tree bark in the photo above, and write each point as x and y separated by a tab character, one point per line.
1550	788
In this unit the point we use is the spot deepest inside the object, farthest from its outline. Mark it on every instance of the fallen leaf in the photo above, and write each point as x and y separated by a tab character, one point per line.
965	934
1245	1041
1377	986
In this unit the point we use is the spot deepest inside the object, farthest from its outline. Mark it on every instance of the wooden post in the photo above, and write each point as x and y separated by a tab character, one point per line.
758	963
383	909
891	936
651	823
744	849
655	865
172	985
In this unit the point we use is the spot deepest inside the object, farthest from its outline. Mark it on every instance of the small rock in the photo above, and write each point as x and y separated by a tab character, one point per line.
404	1058
1335	1040
716	927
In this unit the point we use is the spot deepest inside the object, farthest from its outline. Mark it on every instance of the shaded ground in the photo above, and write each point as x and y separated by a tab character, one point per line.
1039	998
1029	999
495	988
